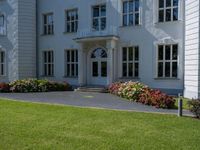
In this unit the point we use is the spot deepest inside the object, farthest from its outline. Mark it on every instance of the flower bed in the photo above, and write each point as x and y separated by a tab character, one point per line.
33	85
138	92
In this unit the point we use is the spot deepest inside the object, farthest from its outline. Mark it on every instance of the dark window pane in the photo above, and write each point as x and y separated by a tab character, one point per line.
125	7
103	10
130	69
76	56
160	69
68	56
68	70
2	57
95	69
168	14
104	69
131	19
137	5
49	56
160	52
125	20
103	23
2	69
168	3
167	69
130	56
137	19
124	69
131	6
167	52
96	11
45	57
174	69
96	24
72	56
161	3
124	54
136	69
45	69
73	69
49	70
161	15
175	52
136	53
175	2
76	69
175	14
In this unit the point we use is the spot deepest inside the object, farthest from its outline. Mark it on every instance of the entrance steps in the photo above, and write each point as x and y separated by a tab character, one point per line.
96	89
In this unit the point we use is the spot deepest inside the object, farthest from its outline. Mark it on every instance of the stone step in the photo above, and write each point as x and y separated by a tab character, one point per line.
92	89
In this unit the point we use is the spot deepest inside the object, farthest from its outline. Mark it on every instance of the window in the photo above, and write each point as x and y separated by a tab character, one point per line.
2	25
71	63
2	63
48	24
130	58
48	57
168	10
99	17
72	20
167	65
131	12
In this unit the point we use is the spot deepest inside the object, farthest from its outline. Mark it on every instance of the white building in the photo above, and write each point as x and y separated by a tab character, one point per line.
97	42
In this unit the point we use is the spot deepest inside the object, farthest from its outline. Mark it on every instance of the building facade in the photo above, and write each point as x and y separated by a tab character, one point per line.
97	42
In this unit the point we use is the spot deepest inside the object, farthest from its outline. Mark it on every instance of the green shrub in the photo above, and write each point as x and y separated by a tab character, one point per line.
195	107
34	85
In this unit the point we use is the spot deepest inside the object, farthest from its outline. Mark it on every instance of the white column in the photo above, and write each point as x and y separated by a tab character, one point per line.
82	66
111	46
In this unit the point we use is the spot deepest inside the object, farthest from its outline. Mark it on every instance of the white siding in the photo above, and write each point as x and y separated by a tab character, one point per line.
192	49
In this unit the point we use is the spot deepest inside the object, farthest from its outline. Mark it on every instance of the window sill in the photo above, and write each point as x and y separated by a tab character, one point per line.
47	34
70	77
69	32
166	79
131	26
43	76
168	22
130	78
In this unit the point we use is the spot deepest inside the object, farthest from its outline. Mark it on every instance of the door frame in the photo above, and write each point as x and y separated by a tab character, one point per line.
89	66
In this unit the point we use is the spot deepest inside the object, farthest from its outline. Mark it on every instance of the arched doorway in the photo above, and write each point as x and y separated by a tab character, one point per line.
99	69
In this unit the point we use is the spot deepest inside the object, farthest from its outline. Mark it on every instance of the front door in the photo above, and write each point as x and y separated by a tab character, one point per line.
99	67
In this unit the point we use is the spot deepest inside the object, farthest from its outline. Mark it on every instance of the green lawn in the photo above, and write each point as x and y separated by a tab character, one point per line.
53	127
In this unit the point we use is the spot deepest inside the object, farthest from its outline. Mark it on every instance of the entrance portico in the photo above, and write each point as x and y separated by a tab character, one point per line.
96	60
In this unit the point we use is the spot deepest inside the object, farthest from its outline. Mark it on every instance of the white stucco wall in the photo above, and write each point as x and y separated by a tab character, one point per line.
146	36
192	66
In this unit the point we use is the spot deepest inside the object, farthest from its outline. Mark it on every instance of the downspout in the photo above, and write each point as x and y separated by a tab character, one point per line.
37	51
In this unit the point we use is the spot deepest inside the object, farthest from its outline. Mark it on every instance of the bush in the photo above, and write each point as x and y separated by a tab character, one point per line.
138	92
195	107
4	87
34	85
156	98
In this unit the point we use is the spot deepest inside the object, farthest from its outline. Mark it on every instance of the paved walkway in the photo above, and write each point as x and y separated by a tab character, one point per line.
98	100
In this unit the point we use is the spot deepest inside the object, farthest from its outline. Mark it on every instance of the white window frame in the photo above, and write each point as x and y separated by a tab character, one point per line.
165	8
70	22
49	26
164	61
2	73
70	63
48	63
99	17
133	62
133	13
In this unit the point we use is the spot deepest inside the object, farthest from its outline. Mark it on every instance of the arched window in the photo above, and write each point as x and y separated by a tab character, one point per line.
99	53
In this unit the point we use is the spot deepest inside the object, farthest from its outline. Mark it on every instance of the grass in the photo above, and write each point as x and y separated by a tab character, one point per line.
185	103
42	126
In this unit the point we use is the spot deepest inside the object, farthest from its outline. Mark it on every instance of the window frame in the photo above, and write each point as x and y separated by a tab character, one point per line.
133	13
165	8
70	63
133	62
2	74
46	25
99	17
164	61
75	21
47	63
